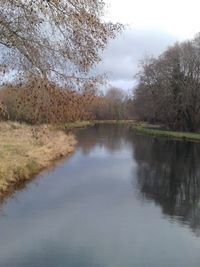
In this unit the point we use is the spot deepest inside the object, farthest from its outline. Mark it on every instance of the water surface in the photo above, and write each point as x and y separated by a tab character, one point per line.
122	200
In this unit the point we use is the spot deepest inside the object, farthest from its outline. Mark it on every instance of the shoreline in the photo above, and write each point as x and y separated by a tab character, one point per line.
26	151
176	135
119	122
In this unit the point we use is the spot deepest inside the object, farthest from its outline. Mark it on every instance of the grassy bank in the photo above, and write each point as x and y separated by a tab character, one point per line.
83	124
75	125
26	150
146	129
113	122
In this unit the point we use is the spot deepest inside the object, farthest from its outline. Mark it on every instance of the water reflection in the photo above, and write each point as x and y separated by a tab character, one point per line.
88	210
111	137
169	173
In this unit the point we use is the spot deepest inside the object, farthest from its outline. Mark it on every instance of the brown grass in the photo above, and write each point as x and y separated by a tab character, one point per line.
26	150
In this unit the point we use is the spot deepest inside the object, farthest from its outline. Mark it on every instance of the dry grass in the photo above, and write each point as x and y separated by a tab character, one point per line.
26	150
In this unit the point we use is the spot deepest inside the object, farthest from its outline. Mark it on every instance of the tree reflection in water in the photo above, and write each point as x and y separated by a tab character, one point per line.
168	172
111	137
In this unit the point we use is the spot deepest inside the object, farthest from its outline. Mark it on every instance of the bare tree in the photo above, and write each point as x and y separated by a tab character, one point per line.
53	38
169	87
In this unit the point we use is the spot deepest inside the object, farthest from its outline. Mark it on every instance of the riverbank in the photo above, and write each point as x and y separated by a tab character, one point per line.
126	122
27	150
75	125
83	124
155	131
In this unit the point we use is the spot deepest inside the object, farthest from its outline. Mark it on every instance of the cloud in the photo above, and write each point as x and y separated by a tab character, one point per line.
122	56
177	17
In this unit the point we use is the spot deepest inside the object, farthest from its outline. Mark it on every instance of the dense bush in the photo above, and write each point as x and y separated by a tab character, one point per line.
3	112
39	101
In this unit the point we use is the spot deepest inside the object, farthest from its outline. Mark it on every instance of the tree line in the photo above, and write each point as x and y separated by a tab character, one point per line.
168	91
47	49
41	101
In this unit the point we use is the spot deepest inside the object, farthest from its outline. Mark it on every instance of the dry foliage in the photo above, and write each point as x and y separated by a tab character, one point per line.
53	38
3	112
55	42
40	101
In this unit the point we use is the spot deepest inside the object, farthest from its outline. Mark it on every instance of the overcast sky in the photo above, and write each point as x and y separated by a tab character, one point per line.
153	25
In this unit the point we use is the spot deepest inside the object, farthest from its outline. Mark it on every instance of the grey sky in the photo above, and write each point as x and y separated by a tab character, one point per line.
153	26
121	58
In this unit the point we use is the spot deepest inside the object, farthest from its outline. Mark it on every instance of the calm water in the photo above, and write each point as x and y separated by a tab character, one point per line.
122	200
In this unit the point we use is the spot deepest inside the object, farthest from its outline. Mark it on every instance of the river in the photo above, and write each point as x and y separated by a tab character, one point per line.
121	200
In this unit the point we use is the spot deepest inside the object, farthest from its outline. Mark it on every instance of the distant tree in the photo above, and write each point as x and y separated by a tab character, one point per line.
113	105
116	98
169	87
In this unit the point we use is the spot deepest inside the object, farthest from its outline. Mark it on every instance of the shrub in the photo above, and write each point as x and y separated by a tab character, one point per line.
40	101
3	112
